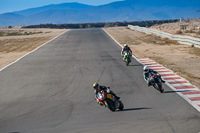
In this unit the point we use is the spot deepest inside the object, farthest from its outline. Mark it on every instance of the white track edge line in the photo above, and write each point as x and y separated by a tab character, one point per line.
179	93
32	51
184	97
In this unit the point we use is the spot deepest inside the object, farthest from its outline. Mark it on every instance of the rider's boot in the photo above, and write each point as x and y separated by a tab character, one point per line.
100	103
149	84
162	81
118	99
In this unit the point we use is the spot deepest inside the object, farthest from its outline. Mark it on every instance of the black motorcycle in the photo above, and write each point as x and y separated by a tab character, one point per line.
156	82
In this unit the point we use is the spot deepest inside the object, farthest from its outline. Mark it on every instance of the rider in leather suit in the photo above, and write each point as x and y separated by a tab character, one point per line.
147	74
98	88
126	48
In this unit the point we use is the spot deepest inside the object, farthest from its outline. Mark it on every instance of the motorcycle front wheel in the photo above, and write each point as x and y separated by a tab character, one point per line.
127	62
160	87
111	105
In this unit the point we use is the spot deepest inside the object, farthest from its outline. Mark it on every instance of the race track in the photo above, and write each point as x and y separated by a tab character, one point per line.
50	91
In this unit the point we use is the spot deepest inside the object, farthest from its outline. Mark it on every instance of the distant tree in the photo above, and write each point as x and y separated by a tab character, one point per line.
99	25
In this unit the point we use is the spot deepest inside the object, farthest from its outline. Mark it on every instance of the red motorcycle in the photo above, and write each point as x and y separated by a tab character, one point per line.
108	100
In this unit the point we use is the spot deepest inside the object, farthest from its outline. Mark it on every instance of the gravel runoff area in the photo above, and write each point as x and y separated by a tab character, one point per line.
16	42
182	59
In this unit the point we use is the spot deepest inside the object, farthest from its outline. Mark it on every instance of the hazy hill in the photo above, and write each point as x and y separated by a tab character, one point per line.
128	10
63	7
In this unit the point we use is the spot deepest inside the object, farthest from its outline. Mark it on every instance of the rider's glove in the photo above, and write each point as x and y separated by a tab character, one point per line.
108	90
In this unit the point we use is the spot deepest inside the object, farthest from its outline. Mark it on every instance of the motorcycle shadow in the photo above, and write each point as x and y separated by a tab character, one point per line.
132	109
176	91
135	65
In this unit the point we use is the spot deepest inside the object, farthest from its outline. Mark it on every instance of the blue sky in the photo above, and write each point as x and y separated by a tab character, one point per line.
16	5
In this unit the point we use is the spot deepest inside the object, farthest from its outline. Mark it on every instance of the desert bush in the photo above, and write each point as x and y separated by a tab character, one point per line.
2	33
20	32
168	41
14	34
187	20
190	31
179	32
9	33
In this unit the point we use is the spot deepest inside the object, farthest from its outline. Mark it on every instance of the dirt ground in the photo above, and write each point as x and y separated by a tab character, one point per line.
189	27
182	59
16	42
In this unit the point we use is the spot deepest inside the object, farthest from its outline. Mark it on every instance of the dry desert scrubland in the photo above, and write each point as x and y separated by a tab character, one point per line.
189	27
16	42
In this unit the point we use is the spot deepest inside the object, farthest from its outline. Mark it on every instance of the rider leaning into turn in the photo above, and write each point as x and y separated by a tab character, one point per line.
126	48
98	88
147	73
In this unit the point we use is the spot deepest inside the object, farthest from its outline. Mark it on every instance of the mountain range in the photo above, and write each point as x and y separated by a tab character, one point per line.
127	10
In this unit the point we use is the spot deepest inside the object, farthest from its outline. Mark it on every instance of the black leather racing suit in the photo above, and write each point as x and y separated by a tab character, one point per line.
105	89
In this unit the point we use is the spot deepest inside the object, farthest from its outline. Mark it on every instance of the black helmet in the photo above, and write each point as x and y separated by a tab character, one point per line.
95	85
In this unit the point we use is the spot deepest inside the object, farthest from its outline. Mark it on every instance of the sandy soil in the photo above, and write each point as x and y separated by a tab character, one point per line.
182	59
25	40
192	27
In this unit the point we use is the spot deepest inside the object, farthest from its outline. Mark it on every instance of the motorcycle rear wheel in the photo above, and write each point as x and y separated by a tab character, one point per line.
121	106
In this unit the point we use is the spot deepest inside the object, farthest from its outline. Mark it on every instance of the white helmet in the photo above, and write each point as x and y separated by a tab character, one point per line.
125	45
146	69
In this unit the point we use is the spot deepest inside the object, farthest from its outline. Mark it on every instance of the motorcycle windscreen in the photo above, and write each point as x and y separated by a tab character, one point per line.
100	96
126	53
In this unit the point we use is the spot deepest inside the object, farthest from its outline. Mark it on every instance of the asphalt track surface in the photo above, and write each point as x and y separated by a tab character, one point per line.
50	91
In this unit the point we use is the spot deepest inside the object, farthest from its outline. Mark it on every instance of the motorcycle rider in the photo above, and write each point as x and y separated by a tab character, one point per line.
98	88
126	48
147	74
